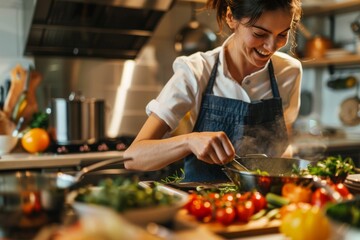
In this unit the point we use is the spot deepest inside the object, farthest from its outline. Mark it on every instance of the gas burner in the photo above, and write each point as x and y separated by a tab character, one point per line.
111	144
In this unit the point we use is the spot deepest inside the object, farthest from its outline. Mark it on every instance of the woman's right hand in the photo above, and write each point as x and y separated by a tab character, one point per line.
211	147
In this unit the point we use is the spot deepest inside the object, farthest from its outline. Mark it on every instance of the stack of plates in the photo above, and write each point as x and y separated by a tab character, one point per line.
352	182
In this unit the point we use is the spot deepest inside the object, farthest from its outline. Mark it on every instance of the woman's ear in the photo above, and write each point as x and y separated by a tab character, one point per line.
231	22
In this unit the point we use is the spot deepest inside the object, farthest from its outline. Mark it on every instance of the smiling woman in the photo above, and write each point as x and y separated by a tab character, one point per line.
241	97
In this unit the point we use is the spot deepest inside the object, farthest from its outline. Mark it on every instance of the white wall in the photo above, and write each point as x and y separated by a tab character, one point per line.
327	101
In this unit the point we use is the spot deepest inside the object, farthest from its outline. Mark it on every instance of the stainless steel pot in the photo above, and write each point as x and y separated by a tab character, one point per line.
77	120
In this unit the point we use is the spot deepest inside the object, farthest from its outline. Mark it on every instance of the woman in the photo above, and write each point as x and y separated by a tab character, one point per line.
241	98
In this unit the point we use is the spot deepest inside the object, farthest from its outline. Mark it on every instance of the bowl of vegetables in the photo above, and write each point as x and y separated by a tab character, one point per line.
136	202
334	168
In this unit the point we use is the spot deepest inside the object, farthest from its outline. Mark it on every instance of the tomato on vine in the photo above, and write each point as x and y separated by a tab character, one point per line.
259	201
225	215
245	210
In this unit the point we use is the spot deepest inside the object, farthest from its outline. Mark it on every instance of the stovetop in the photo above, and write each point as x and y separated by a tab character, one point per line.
110	144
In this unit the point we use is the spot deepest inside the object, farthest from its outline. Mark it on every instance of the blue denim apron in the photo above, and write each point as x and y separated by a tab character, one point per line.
253	128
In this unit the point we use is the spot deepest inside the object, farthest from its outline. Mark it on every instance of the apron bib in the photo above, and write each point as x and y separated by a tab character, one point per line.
253	128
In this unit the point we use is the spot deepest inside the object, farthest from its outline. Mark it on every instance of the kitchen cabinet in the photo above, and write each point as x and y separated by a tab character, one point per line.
330	10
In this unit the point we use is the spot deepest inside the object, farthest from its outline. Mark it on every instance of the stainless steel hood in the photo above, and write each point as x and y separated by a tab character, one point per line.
116	29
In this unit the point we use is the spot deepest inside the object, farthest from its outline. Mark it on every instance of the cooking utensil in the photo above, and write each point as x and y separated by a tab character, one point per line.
194	37
350	109
19	124
29	200
31	101
239	165
278	169
21	102
18	78
77	120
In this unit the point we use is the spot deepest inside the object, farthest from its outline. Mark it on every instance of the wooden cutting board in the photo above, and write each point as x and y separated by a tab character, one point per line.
256	227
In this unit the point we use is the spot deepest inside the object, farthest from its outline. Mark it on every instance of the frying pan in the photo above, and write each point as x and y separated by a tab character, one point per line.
279	172
30	200
350	109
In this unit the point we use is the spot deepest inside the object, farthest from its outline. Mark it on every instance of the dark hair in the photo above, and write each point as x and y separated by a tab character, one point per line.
253	9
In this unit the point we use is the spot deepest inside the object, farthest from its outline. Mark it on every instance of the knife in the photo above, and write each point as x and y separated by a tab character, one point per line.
2	97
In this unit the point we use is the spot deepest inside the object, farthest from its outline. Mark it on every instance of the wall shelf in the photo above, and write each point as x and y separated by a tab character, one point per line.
331	8
323	62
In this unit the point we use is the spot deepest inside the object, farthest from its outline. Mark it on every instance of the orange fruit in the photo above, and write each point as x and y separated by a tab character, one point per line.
36	140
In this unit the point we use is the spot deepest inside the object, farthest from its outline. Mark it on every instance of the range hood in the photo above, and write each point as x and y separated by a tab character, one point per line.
116	29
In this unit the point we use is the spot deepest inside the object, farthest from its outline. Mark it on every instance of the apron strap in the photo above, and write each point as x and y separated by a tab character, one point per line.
273	83
212	78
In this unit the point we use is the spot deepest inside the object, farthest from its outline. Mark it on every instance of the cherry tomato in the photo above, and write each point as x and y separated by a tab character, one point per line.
228	197
320	198
259	201
225	215
213	196
201	209
192	197
264	183
342	189
241	197
30	202
245	210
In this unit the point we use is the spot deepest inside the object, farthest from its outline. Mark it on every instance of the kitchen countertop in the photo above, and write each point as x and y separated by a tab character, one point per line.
15	161
23	160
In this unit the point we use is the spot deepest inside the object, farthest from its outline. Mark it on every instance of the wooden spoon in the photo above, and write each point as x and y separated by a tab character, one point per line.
18	78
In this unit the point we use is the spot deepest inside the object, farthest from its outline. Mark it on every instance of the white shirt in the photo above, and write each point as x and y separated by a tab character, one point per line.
183	92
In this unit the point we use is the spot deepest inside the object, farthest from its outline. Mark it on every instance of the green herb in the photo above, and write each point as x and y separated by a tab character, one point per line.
335	168
175	178
39	120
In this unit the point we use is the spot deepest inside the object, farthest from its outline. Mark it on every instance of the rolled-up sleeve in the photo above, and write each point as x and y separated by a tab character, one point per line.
177	97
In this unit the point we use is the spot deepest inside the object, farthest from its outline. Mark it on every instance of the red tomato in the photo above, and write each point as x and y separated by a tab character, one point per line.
225	215
228	197
259	201
320	198
213	196
201	209
241	197
192	197
245	210
342	189
264	183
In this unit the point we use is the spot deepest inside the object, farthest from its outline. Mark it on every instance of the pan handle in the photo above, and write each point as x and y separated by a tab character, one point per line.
252	155
98	165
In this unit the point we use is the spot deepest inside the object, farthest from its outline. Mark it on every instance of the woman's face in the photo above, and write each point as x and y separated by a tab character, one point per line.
258	42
